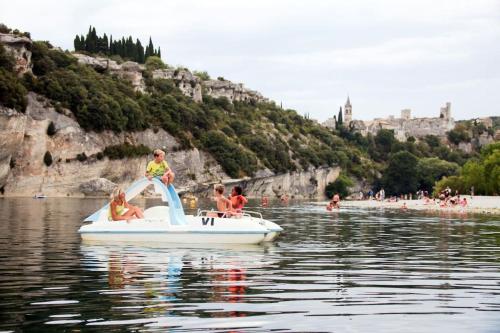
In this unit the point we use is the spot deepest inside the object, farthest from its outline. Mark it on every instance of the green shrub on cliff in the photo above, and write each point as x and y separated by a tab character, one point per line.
51	129
12	92
340	185
154	62
7	62
237	162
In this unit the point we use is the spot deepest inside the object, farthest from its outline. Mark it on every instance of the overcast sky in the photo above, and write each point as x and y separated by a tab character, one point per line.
309	55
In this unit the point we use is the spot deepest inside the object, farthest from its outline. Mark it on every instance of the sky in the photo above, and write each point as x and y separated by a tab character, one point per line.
386	55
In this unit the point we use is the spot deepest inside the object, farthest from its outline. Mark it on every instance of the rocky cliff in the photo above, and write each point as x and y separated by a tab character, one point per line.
20	48
187	82
24	142
301	185
78	166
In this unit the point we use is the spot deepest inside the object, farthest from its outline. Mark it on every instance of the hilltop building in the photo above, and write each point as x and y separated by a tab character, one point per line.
346	115
403	127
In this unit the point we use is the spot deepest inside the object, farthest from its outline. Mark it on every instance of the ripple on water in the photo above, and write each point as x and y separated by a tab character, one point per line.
349	270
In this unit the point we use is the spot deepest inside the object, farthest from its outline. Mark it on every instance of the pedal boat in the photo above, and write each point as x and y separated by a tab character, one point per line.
169	224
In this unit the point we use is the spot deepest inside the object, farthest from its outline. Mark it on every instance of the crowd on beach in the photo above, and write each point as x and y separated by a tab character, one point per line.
445	199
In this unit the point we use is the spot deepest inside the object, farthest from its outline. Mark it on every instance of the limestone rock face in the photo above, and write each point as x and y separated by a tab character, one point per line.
25	139
100	64
188	83
302	185
308	184
129	70
132	72
232	91
97	187
20	49
12	127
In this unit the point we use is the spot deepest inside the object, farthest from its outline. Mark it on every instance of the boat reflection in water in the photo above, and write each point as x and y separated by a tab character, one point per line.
156	280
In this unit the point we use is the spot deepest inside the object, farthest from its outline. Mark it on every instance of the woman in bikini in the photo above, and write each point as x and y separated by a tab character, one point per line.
120	209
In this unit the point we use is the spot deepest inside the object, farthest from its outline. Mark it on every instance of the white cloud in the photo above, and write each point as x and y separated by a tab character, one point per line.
387	54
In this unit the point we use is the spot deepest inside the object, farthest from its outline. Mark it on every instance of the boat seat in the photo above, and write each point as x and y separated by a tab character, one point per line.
158	212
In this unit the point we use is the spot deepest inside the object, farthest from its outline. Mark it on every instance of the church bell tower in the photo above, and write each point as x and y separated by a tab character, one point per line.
347	112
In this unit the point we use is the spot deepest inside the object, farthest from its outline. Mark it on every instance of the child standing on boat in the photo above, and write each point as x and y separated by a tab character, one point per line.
159	168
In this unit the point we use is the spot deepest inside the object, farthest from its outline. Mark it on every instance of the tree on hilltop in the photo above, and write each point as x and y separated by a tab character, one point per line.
125	48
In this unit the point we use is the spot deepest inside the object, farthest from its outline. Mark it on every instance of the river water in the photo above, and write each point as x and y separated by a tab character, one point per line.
349	271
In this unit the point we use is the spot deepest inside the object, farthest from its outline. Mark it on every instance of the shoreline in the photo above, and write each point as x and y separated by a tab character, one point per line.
489	205
476	204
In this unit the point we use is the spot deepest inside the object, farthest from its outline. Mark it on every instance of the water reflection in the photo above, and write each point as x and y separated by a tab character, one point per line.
353	270
160	277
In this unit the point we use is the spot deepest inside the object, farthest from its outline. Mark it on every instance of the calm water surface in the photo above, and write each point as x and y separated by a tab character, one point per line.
351	271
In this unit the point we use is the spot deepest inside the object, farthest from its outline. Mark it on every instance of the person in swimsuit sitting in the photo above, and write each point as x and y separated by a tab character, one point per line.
120	209
238	201
223	204
159	168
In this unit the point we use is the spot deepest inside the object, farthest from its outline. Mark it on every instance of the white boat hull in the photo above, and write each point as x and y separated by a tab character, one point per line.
176	238
169	224
199	229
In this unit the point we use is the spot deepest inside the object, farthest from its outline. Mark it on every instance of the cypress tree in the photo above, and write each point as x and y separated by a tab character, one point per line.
340	119
111	45
159	52
123	52
88	39
76	43
104	44
140	52
150	49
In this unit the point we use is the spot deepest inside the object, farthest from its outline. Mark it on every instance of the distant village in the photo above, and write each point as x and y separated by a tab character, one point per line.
405	126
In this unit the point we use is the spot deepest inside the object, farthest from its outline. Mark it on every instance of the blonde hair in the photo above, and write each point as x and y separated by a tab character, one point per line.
219	188
116	193
158	152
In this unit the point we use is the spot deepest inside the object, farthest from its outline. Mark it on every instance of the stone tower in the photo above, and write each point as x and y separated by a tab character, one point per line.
445	112
347	111
406	114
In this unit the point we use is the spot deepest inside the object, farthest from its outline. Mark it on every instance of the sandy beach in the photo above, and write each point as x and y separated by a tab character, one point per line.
476	204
